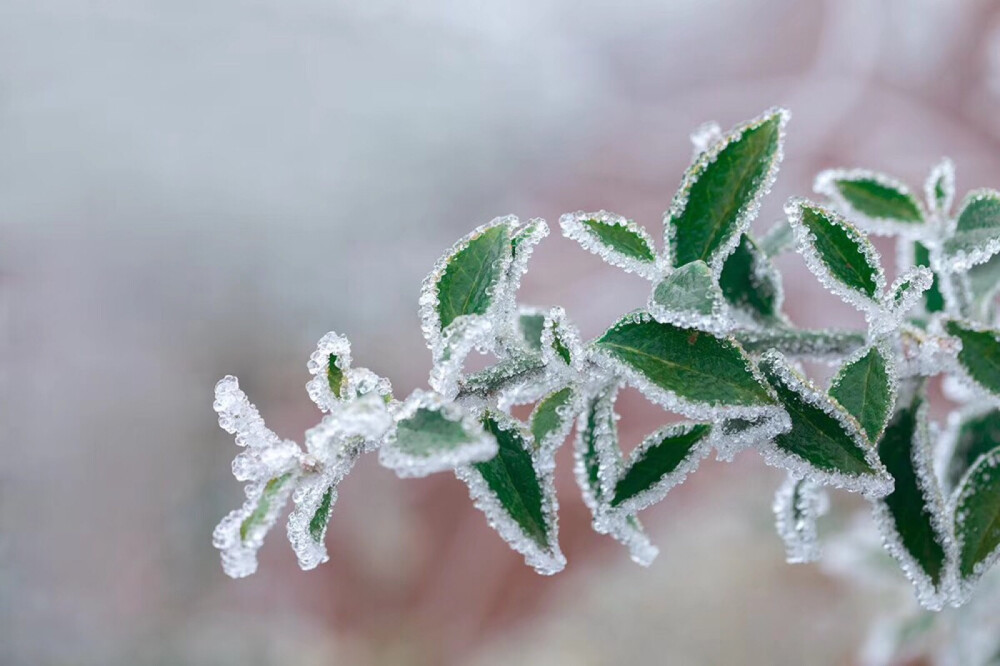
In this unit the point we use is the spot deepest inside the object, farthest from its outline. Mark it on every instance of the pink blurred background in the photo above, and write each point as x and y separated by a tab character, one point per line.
190	189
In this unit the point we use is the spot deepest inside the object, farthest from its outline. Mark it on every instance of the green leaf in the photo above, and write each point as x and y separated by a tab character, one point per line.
320	519
618	241
560	339
870	195
470	276
835	250
268	502
984	283
911	517
433	435
719	193
685	291
661	462
552	417
802	343
750	283
777	239
515	370
975	434
933	298
980	354
864	387
669	362
516	496
939	188
977	519
621	238
824	440
977	232
530	325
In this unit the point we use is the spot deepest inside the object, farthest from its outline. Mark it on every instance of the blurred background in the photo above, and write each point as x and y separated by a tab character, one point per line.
195	188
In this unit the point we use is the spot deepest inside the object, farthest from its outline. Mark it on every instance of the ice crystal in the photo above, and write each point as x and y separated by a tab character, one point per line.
798	503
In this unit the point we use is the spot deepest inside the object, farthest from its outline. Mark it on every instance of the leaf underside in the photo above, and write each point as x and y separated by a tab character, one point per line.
428	432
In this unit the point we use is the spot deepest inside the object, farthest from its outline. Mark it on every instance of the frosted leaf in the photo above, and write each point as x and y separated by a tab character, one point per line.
362	381
939	188
434	435
328	366
778	239
926	352
825	443
562	348
841	257
270	467
529	327
704	137
866	385
689	296
510	373
983	283
977	359
975	237
905	293
720	192
517	494
618	241
631	534
465	334
752	286
662	461
913	519
876	202
523	241
334	446
693	373
976	507
802	343
552	420
971	431
469	281
798	504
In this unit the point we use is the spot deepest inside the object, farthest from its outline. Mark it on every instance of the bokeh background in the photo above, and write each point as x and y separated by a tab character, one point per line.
195	188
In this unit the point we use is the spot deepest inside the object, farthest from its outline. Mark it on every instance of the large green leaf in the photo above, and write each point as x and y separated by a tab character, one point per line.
824	441
673	362
933	298
871	196
517	497
662	461
977	232
840	255
977	519
911	517
974	433
720	191
433	435
751	284
979	357
864	387
471	274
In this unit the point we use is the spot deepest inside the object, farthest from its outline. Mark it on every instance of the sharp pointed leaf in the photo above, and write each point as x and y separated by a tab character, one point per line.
977	232
865	387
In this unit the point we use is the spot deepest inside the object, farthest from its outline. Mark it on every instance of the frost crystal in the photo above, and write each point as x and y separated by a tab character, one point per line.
328	366
704	137
798	504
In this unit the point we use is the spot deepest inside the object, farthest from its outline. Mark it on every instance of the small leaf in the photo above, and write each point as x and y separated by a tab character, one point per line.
977	232
328	367
268	503
865	387
912	517
618	241
721	190
561	344
979	358
321	518
977	520
522	245
662	461
751	284
798	504
933	298
939	189
530	323
509	374
678	367
825	443
984	283
802	343
433	435
687	296
552	418
880	203
972	433
598	460
517	497
837	253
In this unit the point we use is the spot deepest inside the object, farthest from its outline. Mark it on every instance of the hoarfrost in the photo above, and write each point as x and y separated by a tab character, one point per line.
798	504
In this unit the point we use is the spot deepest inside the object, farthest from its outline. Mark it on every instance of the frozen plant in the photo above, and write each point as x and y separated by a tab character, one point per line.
713	346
